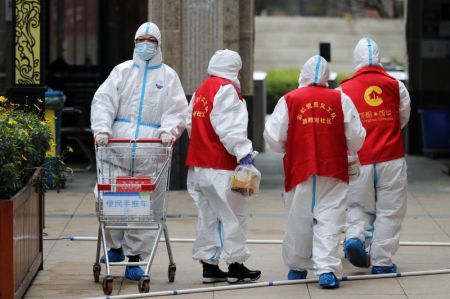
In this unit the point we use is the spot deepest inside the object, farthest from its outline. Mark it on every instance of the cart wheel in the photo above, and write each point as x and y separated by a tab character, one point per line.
171	272
144	284
107	285
96	269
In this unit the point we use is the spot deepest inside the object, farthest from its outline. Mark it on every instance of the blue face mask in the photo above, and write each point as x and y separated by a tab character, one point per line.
146	50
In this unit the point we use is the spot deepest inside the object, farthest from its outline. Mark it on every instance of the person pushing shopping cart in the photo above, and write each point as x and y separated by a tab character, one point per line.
141	98
132	184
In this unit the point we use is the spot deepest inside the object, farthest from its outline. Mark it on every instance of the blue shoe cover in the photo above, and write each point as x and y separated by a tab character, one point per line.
328	281
384	269
295	275
113	257
356	253
133	272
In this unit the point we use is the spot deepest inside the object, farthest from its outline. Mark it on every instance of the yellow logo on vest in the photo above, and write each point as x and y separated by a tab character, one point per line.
372	96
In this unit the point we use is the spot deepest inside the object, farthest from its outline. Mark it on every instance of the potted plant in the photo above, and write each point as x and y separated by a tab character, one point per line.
24	140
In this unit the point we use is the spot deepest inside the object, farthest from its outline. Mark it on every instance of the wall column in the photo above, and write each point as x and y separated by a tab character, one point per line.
27	87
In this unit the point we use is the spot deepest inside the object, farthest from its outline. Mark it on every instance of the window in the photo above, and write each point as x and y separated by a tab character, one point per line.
73	32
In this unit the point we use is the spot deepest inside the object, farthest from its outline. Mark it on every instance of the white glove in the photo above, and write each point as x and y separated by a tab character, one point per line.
102	139
353	167
167	139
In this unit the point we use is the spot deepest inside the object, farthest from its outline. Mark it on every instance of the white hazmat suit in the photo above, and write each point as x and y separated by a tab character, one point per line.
377	198
139	99
315	207
222	214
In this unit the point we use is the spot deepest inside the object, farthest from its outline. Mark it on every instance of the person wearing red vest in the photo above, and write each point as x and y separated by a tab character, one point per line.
217	125
377	198
314	126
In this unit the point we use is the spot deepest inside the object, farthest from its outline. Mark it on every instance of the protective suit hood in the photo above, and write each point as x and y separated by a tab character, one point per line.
366	53
152	29
314	72
226	64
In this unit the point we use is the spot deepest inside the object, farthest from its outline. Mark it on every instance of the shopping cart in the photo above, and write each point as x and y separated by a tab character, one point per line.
132	183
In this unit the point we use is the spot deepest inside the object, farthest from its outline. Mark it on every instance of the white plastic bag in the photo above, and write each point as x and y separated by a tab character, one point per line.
245	180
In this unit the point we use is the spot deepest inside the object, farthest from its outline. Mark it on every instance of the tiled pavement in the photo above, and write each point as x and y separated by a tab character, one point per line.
68	264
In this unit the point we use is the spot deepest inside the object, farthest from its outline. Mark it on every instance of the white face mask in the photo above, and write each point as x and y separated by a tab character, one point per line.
146	50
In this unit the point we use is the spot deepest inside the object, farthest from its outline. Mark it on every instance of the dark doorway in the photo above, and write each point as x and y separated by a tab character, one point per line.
85	40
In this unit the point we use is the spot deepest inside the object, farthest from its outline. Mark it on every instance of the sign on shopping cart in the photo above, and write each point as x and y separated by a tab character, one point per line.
126	203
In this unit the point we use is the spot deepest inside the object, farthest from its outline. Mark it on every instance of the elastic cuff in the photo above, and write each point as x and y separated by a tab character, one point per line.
318	273
298	269
243	149
240	156
210	262
166	131
239	260
103	133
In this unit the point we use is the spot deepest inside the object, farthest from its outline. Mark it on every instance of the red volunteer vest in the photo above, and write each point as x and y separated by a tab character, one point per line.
316	141
205	148
376	95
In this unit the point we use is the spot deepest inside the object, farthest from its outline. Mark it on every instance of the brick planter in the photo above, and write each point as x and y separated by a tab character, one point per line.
21	255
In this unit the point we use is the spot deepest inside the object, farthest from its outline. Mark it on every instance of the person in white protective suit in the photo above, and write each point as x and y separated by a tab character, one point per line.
141	98
377	199
314	126
217	121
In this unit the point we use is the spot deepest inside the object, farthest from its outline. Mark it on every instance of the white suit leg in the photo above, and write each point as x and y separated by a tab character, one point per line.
138	242
329	221
391	210
214	186
297	243
113	238
208	243
234	221
361	205
232	210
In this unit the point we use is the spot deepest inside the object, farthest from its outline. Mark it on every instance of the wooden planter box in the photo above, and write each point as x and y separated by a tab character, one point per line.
21	255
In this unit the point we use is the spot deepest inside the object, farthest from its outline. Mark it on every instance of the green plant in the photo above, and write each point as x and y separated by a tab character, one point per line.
341	77
57	171
279	82
24	139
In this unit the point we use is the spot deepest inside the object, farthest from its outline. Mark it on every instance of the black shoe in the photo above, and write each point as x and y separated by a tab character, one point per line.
212	273
239	273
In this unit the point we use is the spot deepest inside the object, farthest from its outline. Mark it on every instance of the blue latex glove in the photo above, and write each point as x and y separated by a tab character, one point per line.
247	160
